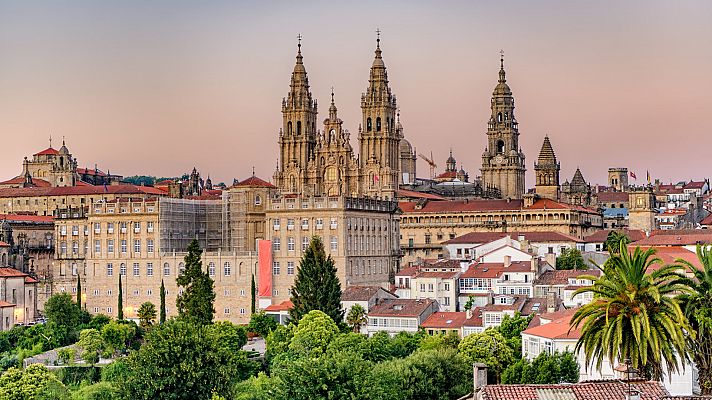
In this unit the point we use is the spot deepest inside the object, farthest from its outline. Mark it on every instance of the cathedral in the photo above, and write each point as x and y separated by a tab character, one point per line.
503	160
322	162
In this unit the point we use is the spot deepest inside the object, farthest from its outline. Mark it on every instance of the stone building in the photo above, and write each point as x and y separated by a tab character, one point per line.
547	172
503	164
577	192
18	297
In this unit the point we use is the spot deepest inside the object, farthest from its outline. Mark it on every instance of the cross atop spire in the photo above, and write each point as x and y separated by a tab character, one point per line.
378	37
502	77
299	43
332	95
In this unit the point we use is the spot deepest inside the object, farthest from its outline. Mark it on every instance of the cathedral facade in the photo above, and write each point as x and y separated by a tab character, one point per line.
503	160
322	162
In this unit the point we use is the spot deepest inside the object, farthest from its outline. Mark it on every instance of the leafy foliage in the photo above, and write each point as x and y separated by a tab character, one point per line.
545	368
34	382
146	314
91	344
616	241
511	328
61	310
261	324
313	334
316	286
570	259
488	347
634	315
356	318
196	304
117	336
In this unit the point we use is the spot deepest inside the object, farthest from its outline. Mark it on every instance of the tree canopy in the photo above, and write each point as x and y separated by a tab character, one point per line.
196	304
570	259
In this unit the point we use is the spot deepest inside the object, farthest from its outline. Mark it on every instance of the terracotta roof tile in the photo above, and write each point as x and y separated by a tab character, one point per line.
283	306
534	237
359	293
6	272
47	151
254	181
556	329
445	320
27	218
612	197
676	238
461	206
3	244
79	190
29	279
401	307
561	277
413	194
591	390
36	182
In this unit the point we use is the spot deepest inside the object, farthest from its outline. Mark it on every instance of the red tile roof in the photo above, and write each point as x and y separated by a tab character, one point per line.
676	238
87	171
494	270
461	206
18	180
6	272
400	308
359	293
3	244
707	220
30	280
561	277
27	218
476	318
602	235
592	390
79	191
4	304
695	185
413	194
47	151
670	255
283	306
534	237
556	329
254	181
445	320
612	197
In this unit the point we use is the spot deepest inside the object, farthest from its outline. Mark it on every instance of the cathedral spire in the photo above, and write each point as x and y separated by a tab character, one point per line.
332	107
502	74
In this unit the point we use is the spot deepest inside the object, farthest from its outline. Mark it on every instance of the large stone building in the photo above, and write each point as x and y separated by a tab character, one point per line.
503	160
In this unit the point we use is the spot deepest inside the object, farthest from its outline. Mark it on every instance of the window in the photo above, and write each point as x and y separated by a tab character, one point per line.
290	224
275	268
333	224
109	269
319	223
149	226
75	247
63	230
242	292
305	243
181	268
74	270
75	230
431	287
122	227
122	269
258	200
137	245
135	292
427	238
96	310
109	310
305	224
149	269
63	248
276	244
447	286
96	292
290	267
226	311
97	247
422	287
290	243
242	311
110	227
166	269
334	243
97	227
211	268
137	227
149	245
110	246
226	269
226	292
446	301
135	269
275	224
123	246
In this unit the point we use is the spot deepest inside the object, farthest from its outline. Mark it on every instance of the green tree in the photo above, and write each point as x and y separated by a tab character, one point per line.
231	336
488	347
313	334
356	318
117	336
470	302
316	286
162	318
261	324
98	321
61	310
697	306
544	369
258	387
98	391
35	382
92	345
181	360
196	304
66	355
511	328
79	290
570	259
120	304
253	295
440	341
634	315
615	241
146	314
278	340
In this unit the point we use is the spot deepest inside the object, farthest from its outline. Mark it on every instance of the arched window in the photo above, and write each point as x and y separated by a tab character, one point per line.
500	146
499	117
378	124
299	127
289	127
181	268
258	200
368	124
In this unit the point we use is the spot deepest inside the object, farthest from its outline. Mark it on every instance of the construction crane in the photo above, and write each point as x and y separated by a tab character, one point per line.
431	163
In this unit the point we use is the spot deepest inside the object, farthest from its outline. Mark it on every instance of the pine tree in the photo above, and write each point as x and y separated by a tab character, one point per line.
79	291
163	304
253	293
316	286
120	316
196	304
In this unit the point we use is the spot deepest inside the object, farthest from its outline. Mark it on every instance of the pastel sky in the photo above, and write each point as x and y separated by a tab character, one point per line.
157	87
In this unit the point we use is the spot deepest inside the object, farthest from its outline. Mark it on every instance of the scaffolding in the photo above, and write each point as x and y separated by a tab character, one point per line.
182	220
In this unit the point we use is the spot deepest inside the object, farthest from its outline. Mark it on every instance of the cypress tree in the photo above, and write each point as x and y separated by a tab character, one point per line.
120	316
196	304
253	292
316	286
163	304
79	291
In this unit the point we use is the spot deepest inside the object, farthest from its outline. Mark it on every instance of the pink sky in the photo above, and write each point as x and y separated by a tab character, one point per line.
159	87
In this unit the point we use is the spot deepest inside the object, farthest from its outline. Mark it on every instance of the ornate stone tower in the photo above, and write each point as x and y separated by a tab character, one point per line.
547	172
503	161
297	138
379	136
641	213
618	179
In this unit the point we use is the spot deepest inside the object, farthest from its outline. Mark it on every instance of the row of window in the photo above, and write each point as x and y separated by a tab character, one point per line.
123	246
291	245
276	269
122	210
123	228
149	292
227	269
318	224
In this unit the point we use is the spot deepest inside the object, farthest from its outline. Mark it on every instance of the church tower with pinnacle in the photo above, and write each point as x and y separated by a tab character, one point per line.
379	134
547	172
503	161
297	138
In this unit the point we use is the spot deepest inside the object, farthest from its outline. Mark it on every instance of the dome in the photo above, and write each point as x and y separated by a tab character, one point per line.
405	147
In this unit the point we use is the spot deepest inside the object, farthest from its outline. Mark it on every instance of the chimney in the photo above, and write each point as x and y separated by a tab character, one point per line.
507	261
535	266
468	313
479	375
550	302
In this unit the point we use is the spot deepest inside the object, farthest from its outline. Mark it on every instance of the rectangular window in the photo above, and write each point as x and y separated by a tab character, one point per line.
149	245
430	287
305	224
447	287
75	247
122	226
149	269
334	243
422	287
63	230
97	227
333	223
319	223
276	244
122	269
290	267
135	269
110	227
290	243
305	243
211	269
110	246
137	245
275	268
275	224
137	227
226	311
427	239
109	269
63	248
149	226
123	246
75	230
226	269
166	269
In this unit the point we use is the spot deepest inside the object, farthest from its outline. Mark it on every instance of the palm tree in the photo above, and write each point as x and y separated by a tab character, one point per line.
633	315
356	318
615	241
697	306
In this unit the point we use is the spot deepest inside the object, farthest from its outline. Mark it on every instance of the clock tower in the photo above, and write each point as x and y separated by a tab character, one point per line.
503	160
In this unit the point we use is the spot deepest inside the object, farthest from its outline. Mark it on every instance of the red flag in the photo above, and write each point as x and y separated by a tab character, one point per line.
375	178
632	175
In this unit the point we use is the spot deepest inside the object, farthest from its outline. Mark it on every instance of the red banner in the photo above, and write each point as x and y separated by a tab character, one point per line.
264	277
